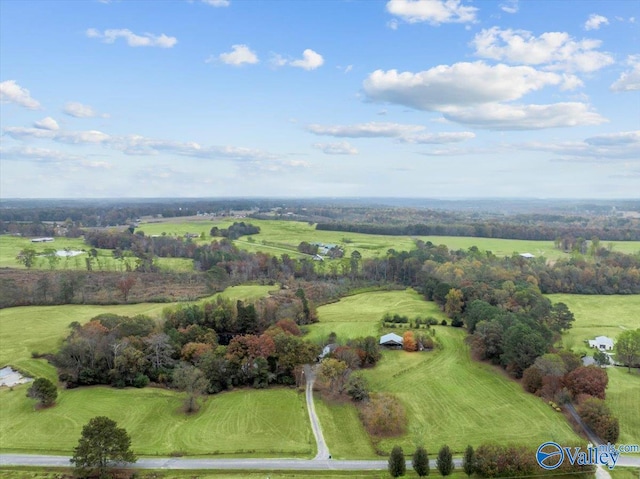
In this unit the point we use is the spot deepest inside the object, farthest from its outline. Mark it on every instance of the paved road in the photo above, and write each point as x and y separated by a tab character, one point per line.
193	463
323	450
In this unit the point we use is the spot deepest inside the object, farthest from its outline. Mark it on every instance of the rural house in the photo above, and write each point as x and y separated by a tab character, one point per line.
603	343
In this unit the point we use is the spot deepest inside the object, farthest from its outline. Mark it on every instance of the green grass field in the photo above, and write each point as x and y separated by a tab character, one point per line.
248	422
623	398
598	315
453	400
41	329
360	314
448	397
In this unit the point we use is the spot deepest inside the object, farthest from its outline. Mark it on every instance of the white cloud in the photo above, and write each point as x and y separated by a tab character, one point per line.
595	22
553	50
310	60
72	137
629	80
78	110
439	138
239	55
496	116
39	155
444	86
11	92
217	3
606	147
341	148
365	130
433	12
47	123
133	40
510	6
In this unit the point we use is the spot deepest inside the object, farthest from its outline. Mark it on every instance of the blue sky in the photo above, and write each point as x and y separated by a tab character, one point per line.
400	98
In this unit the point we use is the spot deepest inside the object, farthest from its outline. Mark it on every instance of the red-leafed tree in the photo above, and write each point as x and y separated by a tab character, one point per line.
589	380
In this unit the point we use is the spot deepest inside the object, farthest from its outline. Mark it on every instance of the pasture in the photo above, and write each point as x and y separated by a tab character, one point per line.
360	314
449	398
598	315
623	398
247	423
41	329
280	236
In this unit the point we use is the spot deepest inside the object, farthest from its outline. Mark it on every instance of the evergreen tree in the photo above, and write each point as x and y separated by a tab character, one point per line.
444	462
421	462
102	444
397	463
469	461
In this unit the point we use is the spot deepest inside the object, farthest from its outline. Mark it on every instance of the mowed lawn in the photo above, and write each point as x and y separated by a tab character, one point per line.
623	398
449	398
360	314
248	422
453	400
41	329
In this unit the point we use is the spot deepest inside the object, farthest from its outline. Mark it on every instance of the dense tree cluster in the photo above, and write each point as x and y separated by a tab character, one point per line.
230	344
235	231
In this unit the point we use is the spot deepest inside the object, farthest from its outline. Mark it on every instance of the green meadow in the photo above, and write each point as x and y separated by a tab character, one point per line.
449	398
248	422
360	314
41	329
598	315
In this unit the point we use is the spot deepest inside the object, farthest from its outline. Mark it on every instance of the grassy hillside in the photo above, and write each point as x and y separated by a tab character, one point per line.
251	423
449	398
598	315
360	314
456	401
41	328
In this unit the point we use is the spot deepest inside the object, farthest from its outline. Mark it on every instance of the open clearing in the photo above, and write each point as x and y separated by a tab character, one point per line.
41	329
248	422
449	398
360	314
598	315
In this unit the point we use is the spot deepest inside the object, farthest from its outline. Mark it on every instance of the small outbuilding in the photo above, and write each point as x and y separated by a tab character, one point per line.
603	343
391	340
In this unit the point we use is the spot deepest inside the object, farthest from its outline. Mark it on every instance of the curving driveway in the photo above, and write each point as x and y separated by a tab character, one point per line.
323	450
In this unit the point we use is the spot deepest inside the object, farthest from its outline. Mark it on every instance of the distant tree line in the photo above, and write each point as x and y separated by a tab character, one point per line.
488	229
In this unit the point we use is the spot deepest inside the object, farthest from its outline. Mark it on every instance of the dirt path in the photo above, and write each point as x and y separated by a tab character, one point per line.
323	450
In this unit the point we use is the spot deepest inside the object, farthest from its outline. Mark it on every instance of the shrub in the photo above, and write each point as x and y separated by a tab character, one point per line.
383	415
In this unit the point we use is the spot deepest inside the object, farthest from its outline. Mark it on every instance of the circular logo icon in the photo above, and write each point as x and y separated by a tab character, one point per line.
549	455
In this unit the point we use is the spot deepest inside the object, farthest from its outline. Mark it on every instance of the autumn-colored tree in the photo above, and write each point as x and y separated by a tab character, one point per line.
454	302
595	413
589	380
531	379
409	341
334	373
192	352
289	326
125	285
384	415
